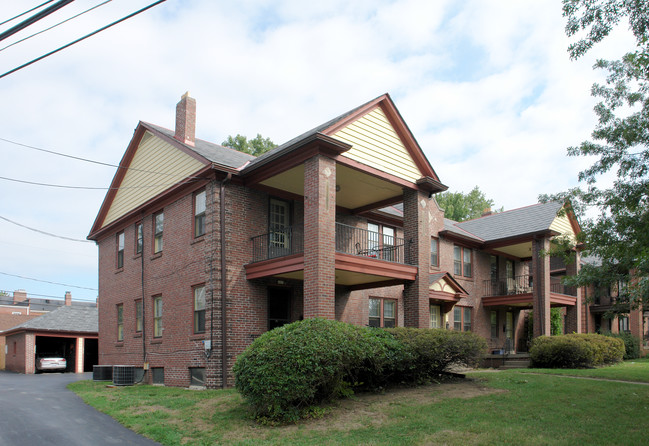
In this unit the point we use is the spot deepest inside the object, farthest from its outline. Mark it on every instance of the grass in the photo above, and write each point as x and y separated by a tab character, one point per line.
508	407
632	370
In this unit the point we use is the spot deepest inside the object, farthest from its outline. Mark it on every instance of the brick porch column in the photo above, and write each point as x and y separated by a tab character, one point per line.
416	229
573	314
541	291
319	237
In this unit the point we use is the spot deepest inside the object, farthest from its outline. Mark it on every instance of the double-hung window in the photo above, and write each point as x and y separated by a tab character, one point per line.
382	312
434	252
462	318
493	315
120	250
139	238
462	265
120	322
157	232
199	309
138	315
157	316
199	214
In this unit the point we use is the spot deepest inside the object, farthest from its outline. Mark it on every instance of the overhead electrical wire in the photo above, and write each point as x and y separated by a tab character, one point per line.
47	281
26	12
43	232
63	186
35	18
101	163
54	26
81	38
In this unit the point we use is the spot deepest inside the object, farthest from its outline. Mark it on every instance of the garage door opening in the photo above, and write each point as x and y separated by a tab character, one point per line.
51	346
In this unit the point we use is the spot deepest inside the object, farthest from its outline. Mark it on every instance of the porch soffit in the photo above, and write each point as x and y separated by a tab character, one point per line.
356	189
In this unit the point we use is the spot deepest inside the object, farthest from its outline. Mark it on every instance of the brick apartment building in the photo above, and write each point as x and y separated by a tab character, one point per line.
203	248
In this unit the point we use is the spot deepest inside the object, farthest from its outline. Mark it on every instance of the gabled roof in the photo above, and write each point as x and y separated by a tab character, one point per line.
458	290
510	224
66	319
326	131
214	153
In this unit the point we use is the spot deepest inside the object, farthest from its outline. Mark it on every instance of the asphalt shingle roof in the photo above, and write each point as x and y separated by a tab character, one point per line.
214	153
74	319
526	220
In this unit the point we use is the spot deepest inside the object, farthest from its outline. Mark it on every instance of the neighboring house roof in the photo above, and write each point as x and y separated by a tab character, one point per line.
8	321
214	153
69	319
517	222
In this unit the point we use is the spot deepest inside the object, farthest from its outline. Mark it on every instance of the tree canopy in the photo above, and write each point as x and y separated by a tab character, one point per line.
460	207
256	146
619	236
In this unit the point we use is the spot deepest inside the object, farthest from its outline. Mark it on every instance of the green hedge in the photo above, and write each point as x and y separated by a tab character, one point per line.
631	344
287	371
577	350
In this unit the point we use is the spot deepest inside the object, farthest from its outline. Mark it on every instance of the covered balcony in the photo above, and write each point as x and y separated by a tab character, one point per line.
518	292
363	258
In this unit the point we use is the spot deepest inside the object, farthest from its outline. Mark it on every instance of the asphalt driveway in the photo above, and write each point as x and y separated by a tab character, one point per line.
39	410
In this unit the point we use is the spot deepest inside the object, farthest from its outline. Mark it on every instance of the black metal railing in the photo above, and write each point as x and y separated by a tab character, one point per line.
288	240
361	242
522	285
557	287
278	242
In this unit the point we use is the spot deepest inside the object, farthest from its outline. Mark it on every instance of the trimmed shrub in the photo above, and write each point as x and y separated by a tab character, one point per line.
631	344
575	350
291	368
428	352
285	372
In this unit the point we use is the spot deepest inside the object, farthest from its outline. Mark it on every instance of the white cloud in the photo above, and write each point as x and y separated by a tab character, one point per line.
486	88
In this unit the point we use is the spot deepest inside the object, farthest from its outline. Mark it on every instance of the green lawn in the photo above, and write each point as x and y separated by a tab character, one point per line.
508	407
633	370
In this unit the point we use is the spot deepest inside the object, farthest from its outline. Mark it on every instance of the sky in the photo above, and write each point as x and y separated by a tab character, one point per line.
486	87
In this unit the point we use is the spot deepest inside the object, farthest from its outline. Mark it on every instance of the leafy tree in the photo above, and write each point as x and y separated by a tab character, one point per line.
619	236
460	207
255	146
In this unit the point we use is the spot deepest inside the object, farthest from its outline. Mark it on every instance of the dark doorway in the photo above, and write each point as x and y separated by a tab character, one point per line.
279	306
91	355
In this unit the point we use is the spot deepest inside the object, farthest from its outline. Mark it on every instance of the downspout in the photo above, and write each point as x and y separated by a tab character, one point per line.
144	359
224	342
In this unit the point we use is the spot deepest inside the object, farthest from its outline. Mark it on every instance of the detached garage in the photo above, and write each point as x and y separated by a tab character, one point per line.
68	332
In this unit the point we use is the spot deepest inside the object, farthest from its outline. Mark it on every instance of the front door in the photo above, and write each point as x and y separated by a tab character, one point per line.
279	307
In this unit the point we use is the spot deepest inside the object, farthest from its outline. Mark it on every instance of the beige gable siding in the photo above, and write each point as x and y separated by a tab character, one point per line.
375	143
442	285
156	166
562	225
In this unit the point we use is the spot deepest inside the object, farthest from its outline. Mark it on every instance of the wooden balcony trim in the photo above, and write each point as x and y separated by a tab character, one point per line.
271	267
377	267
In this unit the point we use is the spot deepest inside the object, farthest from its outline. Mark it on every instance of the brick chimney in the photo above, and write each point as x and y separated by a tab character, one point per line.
186	120
487	212
20	296
68	299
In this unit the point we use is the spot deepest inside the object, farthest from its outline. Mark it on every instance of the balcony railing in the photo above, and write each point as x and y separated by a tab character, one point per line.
522	285
289	240
361	242
279	242
508	286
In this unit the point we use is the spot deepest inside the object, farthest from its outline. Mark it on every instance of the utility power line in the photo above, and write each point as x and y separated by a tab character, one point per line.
47	281
33	19
81	39
26	12
64	186
43	232
54	26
